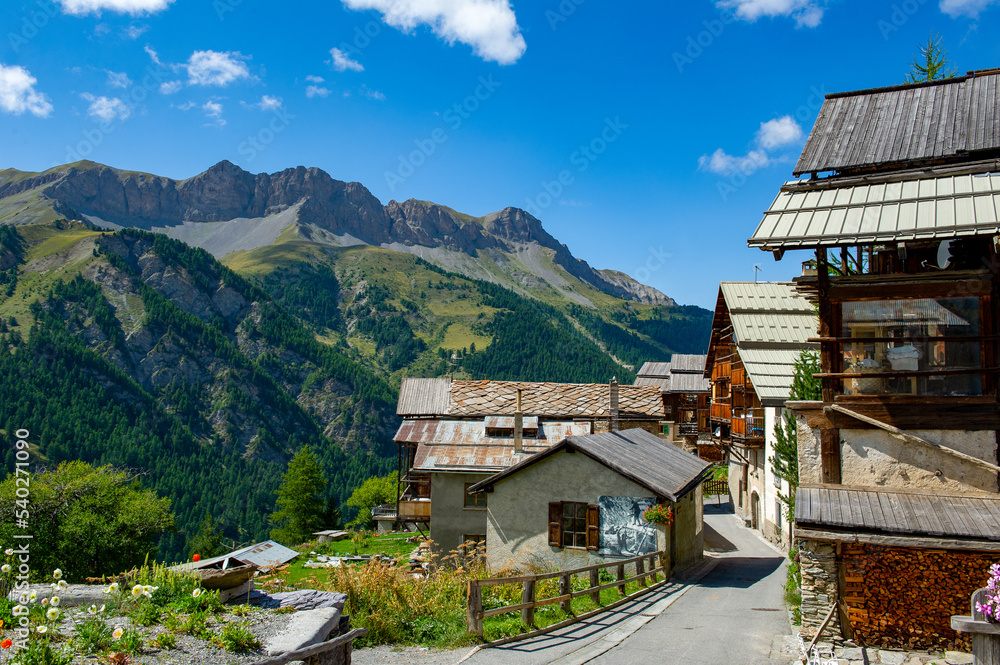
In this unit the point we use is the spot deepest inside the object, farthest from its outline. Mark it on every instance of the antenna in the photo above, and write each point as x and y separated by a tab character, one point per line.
756	269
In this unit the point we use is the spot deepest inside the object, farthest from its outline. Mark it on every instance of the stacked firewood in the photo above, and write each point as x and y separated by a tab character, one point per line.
903	597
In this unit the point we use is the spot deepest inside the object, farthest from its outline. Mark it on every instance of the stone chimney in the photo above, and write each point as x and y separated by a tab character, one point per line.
518	426
614	404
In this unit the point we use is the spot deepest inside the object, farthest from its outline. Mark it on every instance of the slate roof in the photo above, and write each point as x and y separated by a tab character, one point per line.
444	397
934	122
643	458
813	214
882	511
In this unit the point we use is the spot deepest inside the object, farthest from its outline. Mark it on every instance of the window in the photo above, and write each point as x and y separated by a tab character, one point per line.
778	508
477	500
574	524
916	346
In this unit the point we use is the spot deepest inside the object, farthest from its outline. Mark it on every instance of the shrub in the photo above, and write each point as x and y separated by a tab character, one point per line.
196	625
40	652
146	614
93	636
165	641
241	610
236	638
129	642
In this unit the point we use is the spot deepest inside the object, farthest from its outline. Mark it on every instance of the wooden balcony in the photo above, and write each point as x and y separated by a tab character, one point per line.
687	429
418	510
739	377
722	411
722	371
749	429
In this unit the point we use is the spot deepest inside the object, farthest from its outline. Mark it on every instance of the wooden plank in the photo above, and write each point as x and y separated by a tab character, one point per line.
314	650
919	542
868	512
913	438
944	413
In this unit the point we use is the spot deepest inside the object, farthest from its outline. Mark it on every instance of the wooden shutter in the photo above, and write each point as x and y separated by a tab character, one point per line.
555	524
593	526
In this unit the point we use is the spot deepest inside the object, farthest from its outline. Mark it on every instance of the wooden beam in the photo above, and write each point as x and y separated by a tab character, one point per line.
913	438
912	542
829	455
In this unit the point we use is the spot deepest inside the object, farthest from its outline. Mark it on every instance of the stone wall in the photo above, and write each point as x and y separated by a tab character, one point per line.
818	563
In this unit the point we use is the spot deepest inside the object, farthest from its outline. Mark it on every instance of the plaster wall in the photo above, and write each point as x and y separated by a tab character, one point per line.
451	521
517	513
810	471
775	527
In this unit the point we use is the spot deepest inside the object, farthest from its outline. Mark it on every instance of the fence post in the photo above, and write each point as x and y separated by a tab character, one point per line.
564	588
475	609
652	567
528	596
640	568
595	581
621	576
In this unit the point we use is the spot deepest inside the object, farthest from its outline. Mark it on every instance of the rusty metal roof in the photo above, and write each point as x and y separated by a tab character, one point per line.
507	422
462	445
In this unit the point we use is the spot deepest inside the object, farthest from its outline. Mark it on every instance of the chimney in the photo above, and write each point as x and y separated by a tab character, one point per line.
614	404
518	426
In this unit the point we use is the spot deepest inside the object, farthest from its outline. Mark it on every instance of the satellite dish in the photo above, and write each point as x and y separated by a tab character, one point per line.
944	254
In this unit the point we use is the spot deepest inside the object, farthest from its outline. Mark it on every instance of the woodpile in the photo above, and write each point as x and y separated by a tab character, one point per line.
903	597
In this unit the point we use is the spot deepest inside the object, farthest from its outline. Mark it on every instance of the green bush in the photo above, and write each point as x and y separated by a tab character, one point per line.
93	636
146	614
237	638
129	642
40	652
165	641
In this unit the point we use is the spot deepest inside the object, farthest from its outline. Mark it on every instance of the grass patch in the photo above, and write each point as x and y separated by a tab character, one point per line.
793	588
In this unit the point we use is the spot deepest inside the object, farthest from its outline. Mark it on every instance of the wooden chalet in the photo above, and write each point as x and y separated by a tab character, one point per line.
686	394
457	433
898	515
758	332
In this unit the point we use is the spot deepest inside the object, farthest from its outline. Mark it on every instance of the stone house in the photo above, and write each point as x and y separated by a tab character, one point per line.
898	513
580	502
457	433
758	332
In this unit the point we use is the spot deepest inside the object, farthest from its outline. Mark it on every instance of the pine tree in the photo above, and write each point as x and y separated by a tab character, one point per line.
785	463
300	499
932	63
208	541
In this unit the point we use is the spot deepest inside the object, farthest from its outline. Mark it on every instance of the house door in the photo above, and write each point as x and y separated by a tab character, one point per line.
755	511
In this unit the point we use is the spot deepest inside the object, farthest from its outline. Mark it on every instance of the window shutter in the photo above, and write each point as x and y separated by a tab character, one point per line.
593	526
555	524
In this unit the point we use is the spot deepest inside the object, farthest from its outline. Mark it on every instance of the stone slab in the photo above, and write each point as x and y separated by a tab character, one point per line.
305	629
892	657
958	658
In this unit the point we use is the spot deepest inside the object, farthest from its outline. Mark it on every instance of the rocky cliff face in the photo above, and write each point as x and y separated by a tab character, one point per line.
226	192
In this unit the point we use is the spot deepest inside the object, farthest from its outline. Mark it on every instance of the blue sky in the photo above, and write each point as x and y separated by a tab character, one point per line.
649	137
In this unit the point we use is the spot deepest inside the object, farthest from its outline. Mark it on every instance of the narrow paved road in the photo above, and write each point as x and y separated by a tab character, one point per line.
734	616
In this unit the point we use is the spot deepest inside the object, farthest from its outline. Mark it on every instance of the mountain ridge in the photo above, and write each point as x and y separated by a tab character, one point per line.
240	203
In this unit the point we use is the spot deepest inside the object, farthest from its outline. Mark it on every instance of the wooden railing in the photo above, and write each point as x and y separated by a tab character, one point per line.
657	566
415	510
687	429
722	411
748	428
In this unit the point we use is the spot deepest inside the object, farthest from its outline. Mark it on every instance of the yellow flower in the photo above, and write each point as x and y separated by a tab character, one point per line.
57	573
118	632
52	614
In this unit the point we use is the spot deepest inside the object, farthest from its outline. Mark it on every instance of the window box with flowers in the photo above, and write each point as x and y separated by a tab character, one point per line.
660	514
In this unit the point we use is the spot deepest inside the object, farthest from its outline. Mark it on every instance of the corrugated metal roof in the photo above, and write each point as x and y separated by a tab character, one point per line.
812	215
653	369
462	445
423	397
644	458
265	554
687	362
906	513
938	121
770	297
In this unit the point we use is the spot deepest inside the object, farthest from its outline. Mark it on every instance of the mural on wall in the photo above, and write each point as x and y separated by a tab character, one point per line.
623	531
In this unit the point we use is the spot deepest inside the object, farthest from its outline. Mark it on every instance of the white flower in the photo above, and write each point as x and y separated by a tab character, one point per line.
54	601
63	584
9	552
137	591
101	611
118	632
53	586
5	568
196	593
33	596
42	629
92	609
45	601
52	614
57	573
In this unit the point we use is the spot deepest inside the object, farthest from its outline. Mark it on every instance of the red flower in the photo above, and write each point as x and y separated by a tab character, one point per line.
196	557
6	644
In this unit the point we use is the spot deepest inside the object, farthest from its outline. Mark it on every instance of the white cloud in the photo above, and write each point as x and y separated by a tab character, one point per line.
106	108
186	106
213	111
18	94
216	68
779	133
118	79
315	79
723	163
81	7
133	32
341	62
266	103
971	8
153	55
170	87
317	91
807	13
372	94
488	26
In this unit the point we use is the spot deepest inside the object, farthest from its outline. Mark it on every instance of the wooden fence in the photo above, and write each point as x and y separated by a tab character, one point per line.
647	580
334	652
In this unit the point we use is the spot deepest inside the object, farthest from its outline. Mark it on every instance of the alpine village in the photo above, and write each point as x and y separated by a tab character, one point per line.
264	418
